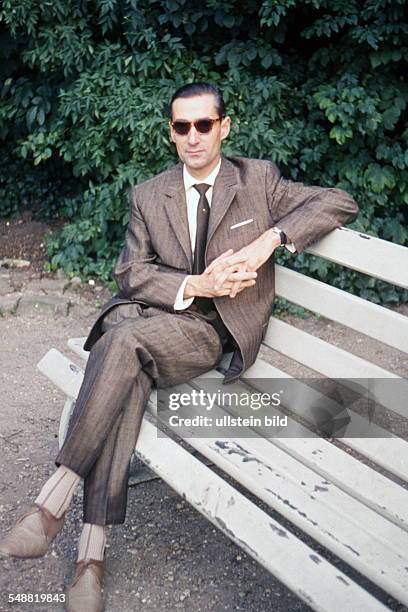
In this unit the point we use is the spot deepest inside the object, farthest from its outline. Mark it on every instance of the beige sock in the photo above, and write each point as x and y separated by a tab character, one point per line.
92	542
57	492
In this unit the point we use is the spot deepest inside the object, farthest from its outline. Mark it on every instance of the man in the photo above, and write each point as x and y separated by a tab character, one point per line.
196	279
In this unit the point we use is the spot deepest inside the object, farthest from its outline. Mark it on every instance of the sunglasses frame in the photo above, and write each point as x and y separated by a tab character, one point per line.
191	123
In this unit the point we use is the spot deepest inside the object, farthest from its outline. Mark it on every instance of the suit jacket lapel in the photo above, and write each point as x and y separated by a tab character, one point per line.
223	194
176	207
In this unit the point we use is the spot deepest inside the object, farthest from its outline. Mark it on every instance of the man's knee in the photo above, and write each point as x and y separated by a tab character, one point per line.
121	313
126	341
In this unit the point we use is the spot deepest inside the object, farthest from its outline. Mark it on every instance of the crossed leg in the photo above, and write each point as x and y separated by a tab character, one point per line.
149	347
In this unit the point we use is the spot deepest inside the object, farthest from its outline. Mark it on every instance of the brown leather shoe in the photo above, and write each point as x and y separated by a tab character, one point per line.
84	593
32	535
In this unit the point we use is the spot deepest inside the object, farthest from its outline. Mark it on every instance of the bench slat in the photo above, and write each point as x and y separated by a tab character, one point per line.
335	362
76	345
383	449
373	256
371	319
389	453
63	372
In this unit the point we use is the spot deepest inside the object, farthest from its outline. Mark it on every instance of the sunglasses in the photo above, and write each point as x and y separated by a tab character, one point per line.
204	126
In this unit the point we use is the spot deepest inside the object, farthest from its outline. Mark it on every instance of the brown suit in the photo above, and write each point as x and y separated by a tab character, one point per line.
157	253
138	339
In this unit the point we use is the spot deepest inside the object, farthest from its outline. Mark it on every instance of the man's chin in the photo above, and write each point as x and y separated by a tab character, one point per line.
197	161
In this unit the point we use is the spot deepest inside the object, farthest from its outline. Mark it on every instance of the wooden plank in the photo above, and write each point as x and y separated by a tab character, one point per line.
76	345
373	256
357	534
335	362
381	448
308	575
319	355
62	372
340	306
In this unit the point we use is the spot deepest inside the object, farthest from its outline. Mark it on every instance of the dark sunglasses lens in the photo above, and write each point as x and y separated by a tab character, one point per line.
181	127
204	126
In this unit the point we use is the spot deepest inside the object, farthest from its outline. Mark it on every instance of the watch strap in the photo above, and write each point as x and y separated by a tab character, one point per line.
281	234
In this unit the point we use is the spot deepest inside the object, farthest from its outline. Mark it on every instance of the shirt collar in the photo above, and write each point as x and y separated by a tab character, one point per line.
189	180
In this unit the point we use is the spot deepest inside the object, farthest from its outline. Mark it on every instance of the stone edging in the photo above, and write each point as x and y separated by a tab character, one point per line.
18	303
25	293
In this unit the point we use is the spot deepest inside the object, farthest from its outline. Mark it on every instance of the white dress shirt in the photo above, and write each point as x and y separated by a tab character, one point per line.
192	199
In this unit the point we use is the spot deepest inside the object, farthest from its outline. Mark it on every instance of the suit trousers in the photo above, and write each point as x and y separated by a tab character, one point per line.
140	347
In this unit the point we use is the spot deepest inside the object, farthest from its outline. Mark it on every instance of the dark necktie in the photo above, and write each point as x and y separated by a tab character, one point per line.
203	213
203	304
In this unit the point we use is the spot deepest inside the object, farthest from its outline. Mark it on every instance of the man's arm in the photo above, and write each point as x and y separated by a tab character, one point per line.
136	273
306	213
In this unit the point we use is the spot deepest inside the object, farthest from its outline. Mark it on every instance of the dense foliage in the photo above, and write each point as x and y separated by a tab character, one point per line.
318	86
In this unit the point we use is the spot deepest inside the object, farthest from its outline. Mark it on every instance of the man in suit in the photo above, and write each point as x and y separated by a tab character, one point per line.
196	279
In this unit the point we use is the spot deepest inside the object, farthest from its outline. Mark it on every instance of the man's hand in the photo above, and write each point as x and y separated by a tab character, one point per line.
221	277
256	253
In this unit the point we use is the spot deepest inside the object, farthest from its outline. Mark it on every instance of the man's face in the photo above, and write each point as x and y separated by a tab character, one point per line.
200	152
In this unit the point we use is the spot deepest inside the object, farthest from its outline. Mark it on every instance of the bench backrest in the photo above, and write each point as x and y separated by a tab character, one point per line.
372	256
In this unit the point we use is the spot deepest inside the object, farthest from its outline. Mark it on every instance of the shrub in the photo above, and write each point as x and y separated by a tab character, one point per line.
317	86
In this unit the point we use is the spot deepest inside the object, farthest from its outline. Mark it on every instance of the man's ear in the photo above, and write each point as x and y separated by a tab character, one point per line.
225	127
171	133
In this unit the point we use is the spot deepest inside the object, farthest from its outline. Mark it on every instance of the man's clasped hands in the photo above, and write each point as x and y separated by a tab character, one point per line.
230	273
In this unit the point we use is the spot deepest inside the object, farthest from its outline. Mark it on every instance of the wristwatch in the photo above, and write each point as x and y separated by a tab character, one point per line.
281	234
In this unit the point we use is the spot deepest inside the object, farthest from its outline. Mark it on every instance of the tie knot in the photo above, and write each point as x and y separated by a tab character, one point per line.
202	188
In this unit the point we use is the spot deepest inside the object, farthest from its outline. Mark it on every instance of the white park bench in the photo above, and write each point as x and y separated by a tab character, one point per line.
349	497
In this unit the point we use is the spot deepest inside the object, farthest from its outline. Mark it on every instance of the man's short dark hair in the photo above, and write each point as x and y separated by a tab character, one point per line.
199	89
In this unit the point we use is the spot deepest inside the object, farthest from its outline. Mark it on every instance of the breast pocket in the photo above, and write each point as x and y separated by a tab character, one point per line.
241	224
241	232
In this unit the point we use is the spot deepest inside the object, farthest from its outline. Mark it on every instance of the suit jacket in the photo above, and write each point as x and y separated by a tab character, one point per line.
157	252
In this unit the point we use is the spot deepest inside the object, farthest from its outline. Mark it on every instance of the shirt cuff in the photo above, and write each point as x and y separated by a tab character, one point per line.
291	247
180	303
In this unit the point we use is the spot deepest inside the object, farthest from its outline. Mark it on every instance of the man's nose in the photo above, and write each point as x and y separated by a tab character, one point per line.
193	136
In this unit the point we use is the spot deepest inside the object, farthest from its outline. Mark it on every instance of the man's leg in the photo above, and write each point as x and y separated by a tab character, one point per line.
104	427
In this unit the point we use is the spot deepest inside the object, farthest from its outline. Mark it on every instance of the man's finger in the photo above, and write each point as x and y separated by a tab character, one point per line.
242	275
233	277
226	262
218	260
235	289
240	287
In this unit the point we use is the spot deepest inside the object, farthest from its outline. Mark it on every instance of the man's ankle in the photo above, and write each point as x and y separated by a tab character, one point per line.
92	542
57	492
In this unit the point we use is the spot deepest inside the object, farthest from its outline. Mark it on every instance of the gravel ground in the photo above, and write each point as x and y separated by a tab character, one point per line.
166	556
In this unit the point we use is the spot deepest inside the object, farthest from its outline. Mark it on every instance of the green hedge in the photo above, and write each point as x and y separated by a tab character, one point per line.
318	86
